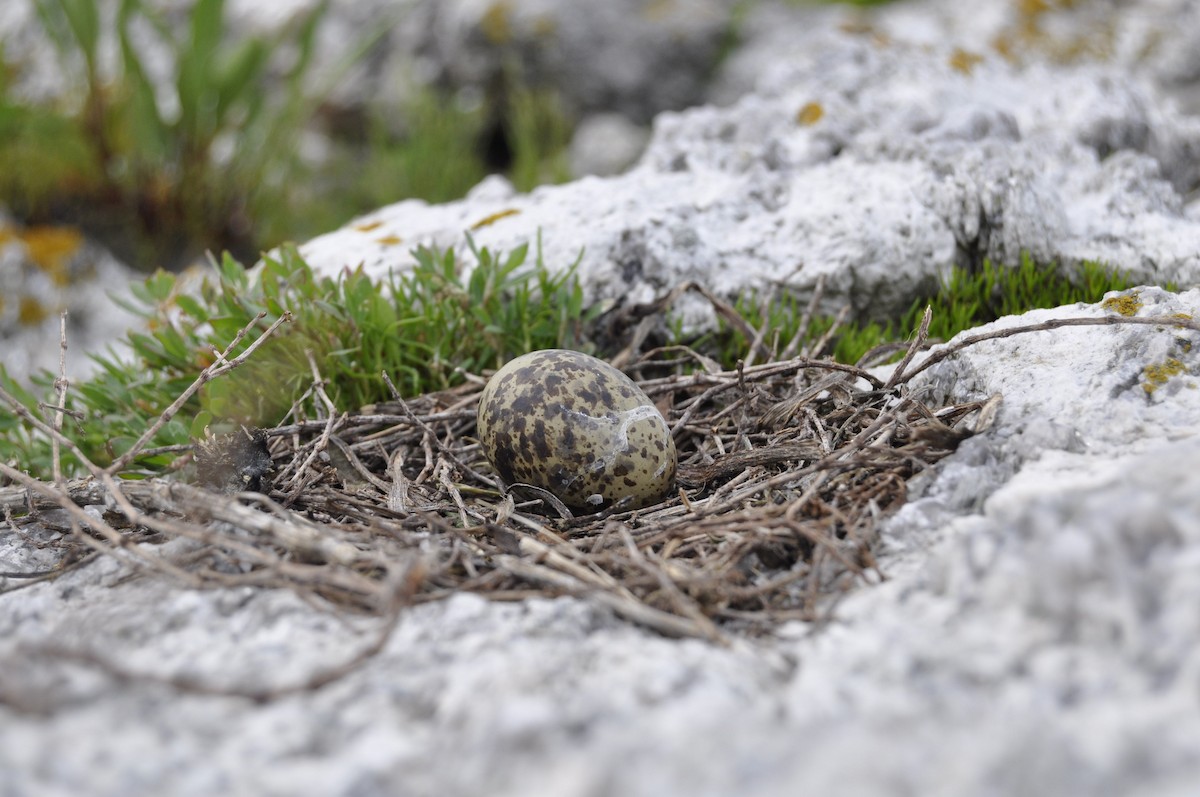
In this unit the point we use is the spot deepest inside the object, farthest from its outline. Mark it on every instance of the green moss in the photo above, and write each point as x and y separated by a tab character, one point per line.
426	329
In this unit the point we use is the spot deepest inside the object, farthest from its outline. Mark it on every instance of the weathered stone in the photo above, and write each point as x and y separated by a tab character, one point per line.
1037	630
873	165
43	272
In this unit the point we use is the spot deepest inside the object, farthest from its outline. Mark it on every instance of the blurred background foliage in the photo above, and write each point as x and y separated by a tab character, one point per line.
238	150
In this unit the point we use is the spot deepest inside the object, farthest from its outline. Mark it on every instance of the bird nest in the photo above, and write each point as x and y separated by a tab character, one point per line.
786	469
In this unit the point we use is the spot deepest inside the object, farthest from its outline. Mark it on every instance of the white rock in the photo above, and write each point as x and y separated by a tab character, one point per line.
912	165
43	272
1035	635
605	144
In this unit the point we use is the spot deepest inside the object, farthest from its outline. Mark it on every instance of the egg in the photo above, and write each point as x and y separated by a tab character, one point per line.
577	427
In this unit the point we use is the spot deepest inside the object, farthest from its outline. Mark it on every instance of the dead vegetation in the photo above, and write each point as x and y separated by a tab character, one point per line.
787	468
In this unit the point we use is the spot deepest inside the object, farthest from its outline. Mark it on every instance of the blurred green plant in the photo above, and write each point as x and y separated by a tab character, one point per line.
965	299
425	328
162	170
430	150
538	132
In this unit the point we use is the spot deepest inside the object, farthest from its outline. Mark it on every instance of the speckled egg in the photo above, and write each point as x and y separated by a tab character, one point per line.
578	427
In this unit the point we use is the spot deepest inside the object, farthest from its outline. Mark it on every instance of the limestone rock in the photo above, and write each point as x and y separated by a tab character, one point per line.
874	165
43	272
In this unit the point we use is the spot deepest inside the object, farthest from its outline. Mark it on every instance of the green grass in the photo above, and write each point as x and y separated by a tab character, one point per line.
425	328
965	299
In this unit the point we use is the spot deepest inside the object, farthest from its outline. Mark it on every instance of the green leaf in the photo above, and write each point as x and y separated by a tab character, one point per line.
243	71
145	121
83	17
194	79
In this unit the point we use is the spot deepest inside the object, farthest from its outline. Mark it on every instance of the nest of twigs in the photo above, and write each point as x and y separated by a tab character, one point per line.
787	468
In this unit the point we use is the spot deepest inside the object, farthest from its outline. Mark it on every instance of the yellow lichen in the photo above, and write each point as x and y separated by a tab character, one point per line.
857	26
495	23
31	312
963	61
494	217
810	114
544	27
658	10
51	249
368	226
1033	30
1159	374
1127	304
391	240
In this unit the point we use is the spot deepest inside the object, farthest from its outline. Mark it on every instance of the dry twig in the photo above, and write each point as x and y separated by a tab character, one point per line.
786	468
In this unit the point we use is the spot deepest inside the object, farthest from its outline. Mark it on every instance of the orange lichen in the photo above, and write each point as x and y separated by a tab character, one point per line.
1028	33
658	10
31	312
496	23
810	114
544	27
856	26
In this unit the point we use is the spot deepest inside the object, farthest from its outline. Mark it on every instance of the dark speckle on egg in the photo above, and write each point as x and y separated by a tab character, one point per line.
574	425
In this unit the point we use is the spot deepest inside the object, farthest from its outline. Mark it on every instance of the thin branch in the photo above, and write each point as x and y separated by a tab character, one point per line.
222	366
937	355
61	385
918	341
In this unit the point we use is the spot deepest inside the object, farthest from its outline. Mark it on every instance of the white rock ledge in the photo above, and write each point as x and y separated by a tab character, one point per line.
1036	635
875	165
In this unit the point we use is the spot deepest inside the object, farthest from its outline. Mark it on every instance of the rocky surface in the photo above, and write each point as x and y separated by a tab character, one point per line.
45	271
1154	39
874	164
1037	631
1035	636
